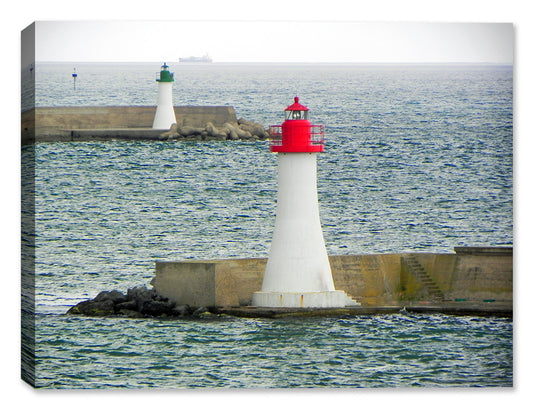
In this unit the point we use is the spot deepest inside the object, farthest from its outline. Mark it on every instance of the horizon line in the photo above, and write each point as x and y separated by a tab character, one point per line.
276	62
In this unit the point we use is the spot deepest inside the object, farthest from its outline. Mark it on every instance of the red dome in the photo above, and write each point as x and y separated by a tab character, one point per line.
296	106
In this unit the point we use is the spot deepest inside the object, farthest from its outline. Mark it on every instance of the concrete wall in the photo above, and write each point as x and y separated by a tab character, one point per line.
371	279
195	282
58	122
228	282
199	116
374	280
481	273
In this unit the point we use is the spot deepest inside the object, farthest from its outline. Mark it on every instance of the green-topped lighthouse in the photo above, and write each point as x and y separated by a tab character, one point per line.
165	75
164	114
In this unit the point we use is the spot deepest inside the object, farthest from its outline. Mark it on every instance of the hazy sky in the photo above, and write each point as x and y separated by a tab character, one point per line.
275	41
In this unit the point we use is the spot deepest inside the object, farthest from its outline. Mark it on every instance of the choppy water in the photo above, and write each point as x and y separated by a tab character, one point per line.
377	351
418	159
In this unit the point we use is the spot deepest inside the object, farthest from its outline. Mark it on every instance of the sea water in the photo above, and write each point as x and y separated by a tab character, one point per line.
417	159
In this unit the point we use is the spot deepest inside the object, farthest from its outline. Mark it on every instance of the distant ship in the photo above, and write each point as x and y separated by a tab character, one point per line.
192	59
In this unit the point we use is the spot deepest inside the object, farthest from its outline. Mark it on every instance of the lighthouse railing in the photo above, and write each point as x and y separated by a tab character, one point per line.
317	134
164	76
276	136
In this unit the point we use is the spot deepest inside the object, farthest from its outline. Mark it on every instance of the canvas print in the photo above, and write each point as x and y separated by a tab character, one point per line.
315	205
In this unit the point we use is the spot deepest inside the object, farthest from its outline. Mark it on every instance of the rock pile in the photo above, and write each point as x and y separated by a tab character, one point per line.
241	130
138	302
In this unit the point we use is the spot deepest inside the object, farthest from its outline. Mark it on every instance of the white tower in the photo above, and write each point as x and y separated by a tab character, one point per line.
164	114
298	273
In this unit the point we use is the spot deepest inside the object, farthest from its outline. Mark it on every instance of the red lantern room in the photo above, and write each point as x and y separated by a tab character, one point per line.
296	134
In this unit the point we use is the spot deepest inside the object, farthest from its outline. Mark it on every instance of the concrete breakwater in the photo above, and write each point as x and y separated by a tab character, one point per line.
472	280
51	124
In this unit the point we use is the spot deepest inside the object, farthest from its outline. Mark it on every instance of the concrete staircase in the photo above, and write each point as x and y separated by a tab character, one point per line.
417	270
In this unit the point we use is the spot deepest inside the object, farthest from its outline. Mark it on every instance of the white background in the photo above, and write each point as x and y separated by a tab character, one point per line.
18	15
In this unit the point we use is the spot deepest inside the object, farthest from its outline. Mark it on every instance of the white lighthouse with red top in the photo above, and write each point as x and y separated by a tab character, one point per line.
298	273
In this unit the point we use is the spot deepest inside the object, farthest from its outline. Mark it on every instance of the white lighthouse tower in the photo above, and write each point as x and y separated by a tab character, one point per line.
298	272
164	114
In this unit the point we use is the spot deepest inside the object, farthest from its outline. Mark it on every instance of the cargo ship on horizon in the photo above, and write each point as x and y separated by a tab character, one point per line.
193	59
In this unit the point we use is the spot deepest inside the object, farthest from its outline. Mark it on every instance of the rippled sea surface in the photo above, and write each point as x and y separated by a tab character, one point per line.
374	351
418	158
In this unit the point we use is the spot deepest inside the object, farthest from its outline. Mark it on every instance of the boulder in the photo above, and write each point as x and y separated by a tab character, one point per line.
182	310
243	129
160	298
128	305
171	133
232	133
235	132
200	311
114	295
217	133
138	302
254	128
140	295
92	308
156	308
188	131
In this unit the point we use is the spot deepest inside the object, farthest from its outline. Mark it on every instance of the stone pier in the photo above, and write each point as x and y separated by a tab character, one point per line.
470	276
50	124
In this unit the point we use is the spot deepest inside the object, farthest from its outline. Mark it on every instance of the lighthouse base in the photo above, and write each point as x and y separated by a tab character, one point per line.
329	299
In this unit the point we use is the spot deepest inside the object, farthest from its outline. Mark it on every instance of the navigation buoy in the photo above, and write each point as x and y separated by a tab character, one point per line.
74	76
164	114
298	273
